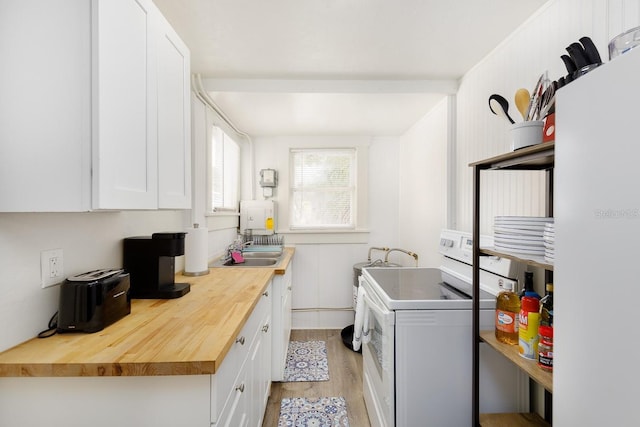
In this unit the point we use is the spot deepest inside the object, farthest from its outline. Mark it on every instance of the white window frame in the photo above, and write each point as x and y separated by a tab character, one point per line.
351	188
230	190
280	161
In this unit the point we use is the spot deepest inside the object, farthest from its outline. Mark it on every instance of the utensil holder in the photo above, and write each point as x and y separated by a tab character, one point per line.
526	134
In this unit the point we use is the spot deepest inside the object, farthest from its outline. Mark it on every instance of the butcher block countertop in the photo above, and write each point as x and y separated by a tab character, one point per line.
184	336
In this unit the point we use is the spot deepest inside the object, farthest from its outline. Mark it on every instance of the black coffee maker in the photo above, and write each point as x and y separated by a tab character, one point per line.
150	261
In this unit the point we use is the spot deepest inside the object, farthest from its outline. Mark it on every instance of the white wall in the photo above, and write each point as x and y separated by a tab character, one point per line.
89	241
423	185
323	273
222	227
518	62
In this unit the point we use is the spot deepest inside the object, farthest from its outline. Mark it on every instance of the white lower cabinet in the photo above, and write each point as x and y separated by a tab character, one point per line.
240	389
95	107
282	288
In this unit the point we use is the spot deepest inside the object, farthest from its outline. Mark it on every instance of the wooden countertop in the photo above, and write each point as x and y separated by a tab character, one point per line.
185	336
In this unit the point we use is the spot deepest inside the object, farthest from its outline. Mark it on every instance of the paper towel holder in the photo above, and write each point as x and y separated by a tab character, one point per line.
195	273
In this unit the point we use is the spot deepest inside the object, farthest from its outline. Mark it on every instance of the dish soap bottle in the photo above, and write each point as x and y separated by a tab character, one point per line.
507	309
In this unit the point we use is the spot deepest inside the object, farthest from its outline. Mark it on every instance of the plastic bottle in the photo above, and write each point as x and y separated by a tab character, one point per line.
546	307
528	323
507	310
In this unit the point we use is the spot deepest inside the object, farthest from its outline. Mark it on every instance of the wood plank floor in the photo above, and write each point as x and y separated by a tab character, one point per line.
345	379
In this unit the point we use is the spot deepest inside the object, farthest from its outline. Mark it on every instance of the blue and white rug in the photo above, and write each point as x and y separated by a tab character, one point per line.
306	361
313	412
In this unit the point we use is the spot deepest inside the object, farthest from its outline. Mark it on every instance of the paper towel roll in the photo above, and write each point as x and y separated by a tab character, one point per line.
196	251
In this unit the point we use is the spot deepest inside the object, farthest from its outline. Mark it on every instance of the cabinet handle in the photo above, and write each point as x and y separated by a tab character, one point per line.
265	293
289	288
265	328
240	340
240	388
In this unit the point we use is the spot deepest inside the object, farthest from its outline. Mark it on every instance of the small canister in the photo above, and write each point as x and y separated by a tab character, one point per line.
545	348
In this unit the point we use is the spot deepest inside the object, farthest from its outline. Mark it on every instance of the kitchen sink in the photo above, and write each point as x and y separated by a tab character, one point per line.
258	255
248	262
254	256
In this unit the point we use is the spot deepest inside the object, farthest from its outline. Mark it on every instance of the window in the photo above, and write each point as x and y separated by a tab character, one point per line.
323	188
224	172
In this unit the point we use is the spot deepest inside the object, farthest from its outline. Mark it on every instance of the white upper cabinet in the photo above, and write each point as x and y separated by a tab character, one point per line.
95	107
125	149
174	119
45	106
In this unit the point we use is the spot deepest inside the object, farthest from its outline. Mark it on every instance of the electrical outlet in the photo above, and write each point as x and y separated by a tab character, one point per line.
51	267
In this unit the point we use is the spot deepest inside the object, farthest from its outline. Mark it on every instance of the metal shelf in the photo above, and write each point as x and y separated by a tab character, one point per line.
538	157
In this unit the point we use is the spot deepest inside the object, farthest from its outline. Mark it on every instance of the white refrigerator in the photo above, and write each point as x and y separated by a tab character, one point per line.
596	379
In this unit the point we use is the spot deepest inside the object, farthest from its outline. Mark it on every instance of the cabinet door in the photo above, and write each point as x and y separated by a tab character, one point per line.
45	105
286	305
263	372
281	323
174	130
259	368
124	131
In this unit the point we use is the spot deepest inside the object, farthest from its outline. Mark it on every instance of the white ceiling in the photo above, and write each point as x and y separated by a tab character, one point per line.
337	67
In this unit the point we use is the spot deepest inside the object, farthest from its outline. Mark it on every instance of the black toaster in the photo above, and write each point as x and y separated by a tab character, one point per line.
91	301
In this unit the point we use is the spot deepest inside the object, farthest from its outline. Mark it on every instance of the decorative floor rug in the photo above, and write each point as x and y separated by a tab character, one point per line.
313	412
306	361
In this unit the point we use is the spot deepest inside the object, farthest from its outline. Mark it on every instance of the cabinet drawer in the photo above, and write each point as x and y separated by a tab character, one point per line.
223	383
235	413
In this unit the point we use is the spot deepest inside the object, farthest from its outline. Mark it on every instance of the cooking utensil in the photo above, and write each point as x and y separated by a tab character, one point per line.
549	107
522	99
500	107
568	62
591	50
577	53
547	100
533	103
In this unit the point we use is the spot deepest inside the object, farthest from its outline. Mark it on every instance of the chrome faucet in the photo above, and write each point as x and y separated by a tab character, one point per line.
412	254
235	247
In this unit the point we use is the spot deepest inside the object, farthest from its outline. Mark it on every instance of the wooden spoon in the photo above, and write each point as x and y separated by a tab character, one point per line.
522	99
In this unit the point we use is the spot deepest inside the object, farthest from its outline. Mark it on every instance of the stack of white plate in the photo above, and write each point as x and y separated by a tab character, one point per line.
520	234
549	238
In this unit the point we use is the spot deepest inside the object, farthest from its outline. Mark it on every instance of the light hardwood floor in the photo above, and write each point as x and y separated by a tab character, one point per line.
345	379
